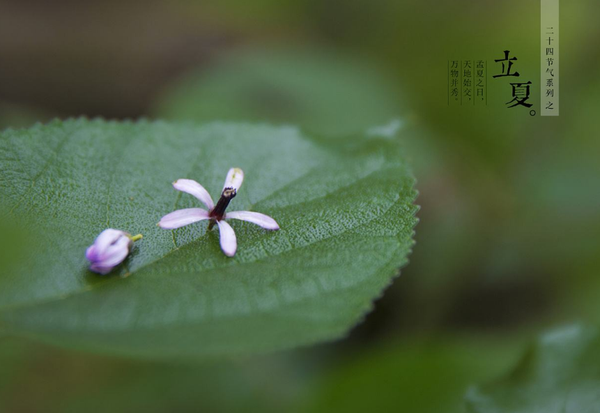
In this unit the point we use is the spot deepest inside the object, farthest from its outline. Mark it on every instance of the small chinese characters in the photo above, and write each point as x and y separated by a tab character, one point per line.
480	82
467	82
549	57
454	87
549	96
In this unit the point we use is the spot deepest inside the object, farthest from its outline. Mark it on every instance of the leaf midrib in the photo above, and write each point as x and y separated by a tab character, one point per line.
199	320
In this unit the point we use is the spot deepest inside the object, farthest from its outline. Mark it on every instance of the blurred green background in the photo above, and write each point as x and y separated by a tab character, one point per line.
507	244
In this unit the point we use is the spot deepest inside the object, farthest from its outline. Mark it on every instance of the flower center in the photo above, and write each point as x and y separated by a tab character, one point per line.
218	212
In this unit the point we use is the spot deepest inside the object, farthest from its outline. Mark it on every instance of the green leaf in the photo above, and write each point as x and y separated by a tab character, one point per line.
325	93
417	376
346	214
560	374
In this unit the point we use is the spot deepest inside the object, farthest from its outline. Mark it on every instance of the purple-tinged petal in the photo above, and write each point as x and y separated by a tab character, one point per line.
100	269
194	188
109	249
116	253
106	239
182	217
91	254
234	178
227	238
257	218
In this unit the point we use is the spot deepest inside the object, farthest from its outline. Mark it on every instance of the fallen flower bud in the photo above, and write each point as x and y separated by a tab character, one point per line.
109	249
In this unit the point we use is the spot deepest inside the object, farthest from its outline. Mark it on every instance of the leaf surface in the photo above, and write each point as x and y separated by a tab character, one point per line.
346	214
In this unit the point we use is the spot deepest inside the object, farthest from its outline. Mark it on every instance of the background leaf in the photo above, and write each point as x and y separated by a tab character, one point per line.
346	215
560	374
419	376
325	93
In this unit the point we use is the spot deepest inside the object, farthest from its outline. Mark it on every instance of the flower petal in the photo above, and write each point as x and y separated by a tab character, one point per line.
91	254
100	269
116	253
182	217
105	240
194	188
227	238
234	178
257	218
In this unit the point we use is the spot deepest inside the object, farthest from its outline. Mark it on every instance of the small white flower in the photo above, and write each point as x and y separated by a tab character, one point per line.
216	213
109	250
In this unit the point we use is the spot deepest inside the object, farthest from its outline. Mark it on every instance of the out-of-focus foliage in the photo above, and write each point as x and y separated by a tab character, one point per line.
560	374
18	116
33	377
419	377
324	93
